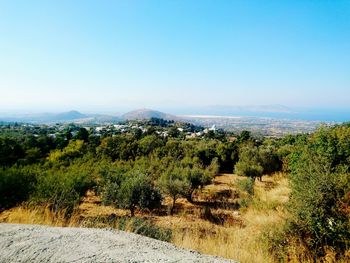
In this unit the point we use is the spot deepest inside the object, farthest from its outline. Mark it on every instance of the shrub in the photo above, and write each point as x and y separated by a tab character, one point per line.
61	189
109	183
246	185
319	201
320	184
72	150
196	178
138	191
174	183
10	151
132	190
16	184
254	162
248	164
143	227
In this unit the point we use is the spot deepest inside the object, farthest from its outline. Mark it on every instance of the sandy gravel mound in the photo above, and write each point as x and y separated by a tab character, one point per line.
33	243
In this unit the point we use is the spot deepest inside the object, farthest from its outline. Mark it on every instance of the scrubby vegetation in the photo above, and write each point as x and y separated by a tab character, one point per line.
152	173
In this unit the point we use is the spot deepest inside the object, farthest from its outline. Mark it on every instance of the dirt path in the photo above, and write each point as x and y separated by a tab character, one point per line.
34	243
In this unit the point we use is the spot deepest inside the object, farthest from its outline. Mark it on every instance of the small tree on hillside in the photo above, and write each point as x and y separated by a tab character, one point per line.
269	160
198	177
174	183
137	191
249	164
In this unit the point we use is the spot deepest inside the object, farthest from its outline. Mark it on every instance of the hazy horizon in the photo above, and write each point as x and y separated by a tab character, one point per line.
264	111
114	56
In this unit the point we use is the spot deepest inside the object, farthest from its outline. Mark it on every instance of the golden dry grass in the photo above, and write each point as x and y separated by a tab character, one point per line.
238	237
241	241
37	215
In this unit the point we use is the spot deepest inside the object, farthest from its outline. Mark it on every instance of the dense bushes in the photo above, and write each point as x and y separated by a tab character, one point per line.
73	150
136	170
320	185
16	185
61	189
10	151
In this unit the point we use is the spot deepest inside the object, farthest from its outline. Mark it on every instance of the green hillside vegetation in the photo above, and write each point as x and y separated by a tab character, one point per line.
140	170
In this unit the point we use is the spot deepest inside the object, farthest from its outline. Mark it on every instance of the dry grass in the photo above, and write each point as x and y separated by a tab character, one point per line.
239	241
37	215
236	236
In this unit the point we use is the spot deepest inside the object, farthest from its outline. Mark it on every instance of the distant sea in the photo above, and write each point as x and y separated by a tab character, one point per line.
323	115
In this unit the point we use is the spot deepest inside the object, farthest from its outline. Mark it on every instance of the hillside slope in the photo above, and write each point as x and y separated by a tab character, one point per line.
33	243
142	114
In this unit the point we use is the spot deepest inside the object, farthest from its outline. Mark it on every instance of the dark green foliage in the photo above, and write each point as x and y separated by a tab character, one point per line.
320	184
131	191
227	156
109	184
82	134
198	177
249	163
173	183
173	148
256	161
62	188
118	148
269	159
32	155
16	184
138	191
244	136
143	227
149	143
174	132
10	151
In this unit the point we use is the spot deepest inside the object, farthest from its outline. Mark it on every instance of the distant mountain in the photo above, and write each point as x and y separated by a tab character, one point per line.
142	114
70	115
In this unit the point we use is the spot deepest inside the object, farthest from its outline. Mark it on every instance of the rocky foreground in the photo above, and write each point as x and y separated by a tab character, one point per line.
34	243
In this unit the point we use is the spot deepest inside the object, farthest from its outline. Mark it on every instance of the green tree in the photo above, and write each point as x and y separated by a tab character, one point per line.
110	180
10	151
62	188
174	183
82	134
244	136
320	187
137	191
174	132
119	147
269	159
249	163
149	143
319	201
72	150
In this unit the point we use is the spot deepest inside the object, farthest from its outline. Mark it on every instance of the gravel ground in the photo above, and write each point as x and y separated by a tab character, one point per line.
34	243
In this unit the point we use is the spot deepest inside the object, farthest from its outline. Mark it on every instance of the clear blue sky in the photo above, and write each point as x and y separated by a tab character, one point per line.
113	55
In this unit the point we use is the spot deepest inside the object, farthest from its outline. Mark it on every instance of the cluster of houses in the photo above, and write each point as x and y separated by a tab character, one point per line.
162	132
54	131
